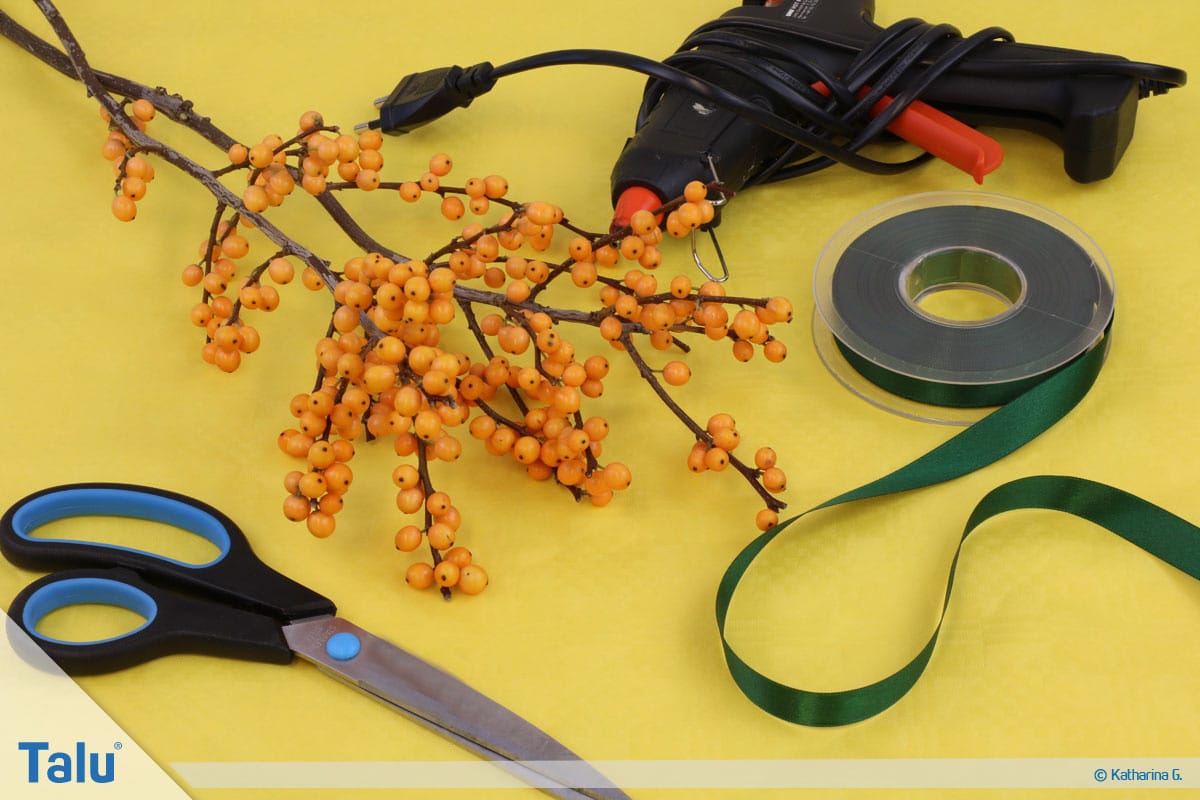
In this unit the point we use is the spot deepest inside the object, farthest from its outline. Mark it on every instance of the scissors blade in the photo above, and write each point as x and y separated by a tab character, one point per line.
444	703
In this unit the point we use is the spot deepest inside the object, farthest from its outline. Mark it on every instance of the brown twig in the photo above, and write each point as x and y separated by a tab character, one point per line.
103	86
750	473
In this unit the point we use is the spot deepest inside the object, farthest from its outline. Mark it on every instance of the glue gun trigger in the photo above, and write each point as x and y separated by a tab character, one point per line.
939	134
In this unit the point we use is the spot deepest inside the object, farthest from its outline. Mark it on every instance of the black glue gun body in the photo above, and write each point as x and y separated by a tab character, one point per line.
799	85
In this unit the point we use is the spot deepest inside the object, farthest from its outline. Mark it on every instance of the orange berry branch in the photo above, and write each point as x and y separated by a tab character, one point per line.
383	369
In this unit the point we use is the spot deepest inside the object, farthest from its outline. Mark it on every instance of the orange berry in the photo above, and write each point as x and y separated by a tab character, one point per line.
688	216
321	524
406	476
607	255
331	503
716	459
124	208
447	448
410	191
419	575
495	186
255	199
261	155
370	160
446	573
215	283
611	328
681	286
452	517
766	519
347	147
343	450
570	472
517	291
539	471
616	476
310	120
438	503
482	427
142	109
192	275
676	373
367	180
627	307
429	182
651	257
718	421
312	484
440	164
472	579
642	222
632	247
296	508
726	438
540	213
112	149
583	274
313	184
780	308
746	324
281	270
441	537
526	450
410	500
338	476
458	555
133	187
312	279
235	245
774	479
597	367
695	191
320	455
501	440
743	350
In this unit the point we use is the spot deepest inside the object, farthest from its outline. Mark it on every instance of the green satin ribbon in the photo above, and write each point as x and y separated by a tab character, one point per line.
946	395
1174	540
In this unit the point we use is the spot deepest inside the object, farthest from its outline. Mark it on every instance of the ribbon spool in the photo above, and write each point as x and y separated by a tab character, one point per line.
1039	292
1037	356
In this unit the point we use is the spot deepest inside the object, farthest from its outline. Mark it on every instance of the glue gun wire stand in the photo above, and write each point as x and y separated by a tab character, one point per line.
758	95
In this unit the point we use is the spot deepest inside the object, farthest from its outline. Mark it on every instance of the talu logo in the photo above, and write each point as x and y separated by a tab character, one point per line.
58	766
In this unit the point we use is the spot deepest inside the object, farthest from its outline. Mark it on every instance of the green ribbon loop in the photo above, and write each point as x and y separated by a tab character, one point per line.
1170	538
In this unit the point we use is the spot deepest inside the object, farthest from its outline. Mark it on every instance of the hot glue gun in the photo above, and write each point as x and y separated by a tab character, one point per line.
775	89
817	80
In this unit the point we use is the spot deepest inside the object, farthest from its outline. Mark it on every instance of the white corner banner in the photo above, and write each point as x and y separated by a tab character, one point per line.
56	742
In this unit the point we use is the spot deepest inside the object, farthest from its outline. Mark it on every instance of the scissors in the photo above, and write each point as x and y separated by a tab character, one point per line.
238	607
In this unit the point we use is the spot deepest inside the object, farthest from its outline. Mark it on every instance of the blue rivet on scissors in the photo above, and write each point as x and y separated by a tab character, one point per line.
343	646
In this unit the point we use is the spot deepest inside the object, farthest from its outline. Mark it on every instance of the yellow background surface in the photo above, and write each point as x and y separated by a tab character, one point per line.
1061	641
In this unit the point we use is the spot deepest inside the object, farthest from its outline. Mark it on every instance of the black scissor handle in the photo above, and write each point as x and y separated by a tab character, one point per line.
174	623
236	576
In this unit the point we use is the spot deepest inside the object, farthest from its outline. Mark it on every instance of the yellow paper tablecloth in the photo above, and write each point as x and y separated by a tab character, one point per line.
1062	642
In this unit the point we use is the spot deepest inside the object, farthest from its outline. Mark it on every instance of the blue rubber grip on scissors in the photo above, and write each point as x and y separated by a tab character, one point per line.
235	575
110	501
173	623
83	591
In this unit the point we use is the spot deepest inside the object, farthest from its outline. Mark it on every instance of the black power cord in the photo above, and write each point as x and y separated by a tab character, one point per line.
764	70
